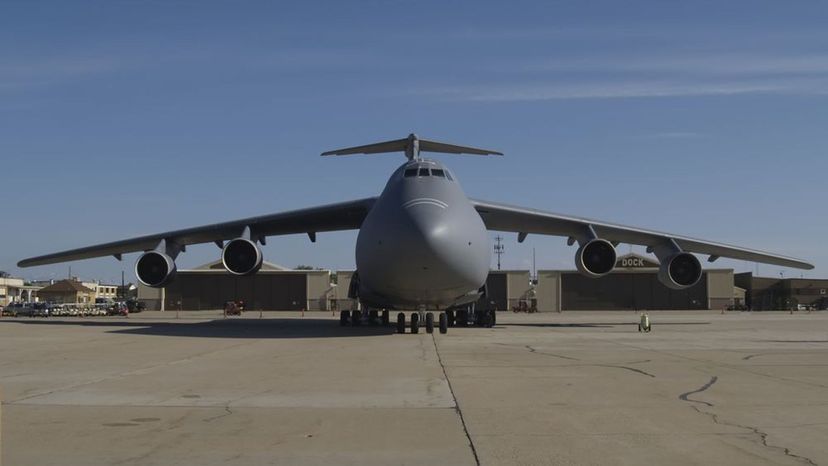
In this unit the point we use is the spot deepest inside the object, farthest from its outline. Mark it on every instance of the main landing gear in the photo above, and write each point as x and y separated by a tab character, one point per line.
356	318
442	322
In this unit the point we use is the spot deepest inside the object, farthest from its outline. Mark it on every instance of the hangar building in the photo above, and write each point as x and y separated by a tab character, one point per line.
272	287
765	293
632	285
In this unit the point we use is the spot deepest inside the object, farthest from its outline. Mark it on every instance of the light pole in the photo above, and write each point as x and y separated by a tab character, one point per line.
498	249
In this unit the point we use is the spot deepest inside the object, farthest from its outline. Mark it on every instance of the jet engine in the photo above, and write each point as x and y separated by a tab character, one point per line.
155	269
595	258
241	256
679	271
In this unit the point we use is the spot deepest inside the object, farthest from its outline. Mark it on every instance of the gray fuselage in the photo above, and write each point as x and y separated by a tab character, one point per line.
422	244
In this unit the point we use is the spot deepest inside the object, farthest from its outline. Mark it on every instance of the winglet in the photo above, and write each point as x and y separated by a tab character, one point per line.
412	146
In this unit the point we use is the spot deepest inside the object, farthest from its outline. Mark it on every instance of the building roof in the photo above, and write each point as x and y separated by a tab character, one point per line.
217	265
66	286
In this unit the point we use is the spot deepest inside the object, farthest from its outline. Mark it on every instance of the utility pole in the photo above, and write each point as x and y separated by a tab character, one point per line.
498	249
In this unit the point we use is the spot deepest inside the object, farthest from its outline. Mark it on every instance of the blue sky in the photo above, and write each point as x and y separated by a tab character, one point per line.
708	119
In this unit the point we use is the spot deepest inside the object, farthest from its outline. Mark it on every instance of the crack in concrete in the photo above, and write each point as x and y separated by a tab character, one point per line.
120	375
456	403
534	350
738	368
763	436
639	371
224	414
612	366
704	387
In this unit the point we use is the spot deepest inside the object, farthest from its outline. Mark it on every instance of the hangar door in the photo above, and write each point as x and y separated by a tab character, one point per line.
497	289
261	291
632	291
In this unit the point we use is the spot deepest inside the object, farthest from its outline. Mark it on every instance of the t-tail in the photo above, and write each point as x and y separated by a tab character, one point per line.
412	146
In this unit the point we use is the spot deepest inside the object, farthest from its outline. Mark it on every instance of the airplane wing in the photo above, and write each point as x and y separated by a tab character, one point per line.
525	221
332	217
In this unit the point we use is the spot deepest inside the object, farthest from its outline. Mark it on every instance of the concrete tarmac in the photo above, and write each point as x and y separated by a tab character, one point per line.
570	388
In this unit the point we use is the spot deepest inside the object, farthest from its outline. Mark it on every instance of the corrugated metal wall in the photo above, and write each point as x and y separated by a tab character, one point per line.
262	291
620	290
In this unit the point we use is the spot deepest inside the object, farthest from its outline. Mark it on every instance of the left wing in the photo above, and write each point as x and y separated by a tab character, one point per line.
524	221
341	216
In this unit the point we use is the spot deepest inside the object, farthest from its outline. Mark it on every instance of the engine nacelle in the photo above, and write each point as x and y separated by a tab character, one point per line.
155	269
241	256
595	258
679	271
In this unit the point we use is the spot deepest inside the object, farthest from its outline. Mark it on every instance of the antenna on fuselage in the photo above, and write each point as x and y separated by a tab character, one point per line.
411	146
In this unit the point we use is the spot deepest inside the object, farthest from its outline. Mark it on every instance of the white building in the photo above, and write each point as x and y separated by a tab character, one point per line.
13	289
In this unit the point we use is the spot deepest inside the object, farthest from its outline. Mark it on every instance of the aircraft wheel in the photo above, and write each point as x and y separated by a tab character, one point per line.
443	323
373	315
344	317
493	318
385	317
429	322
415	323
401	323
450	318
356	318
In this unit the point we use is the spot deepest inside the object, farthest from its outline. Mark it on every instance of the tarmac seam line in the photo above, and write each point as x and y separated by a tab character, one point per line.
456	403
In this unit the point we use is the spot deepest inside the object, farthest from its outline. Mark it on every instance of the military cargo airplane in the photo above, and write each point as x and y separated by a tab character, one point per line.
422	244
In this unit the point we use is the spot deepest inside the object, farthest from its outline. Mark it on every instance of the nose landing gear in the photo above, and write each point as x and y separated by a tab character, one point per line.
423	318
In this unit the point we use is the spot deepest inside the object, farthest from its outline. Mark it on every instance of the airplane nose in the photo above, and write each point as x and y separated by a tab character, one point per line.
444	253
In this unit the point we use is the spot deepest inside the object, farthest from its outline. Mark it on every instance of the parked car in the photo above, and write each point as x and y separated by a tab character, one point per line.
20	309
136	306
41	309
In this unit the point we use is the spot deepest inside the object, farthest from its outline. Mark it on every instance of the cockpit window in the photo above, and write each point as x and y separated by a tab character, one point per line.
409	172
448	175
438	172
423	172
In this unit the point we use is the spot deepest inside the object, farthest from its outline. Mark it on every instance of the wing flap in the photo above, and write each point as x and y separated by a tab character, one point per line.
502	217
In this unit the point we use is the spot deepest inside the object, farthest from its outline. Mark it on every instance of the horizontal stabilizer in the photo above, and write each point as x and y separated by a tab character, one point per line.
412	146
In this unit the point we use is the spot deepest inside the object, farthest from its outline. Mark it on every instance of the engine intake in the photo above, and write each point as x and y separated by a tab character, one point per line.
679	271
595	258
155	269
241	256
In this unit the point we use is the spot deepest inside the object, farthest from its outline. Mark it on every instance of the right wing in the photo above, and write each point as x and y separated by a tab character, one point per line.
503	217
332	217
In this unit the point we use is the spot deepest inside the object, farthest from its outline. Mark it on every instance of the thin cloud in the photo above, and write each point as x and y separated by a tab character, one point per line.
674	135
29	73
625	88
719	65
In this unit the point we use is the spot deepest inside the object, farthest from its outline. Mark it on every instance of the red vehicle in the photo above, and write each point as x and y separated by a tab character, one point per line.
232	308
